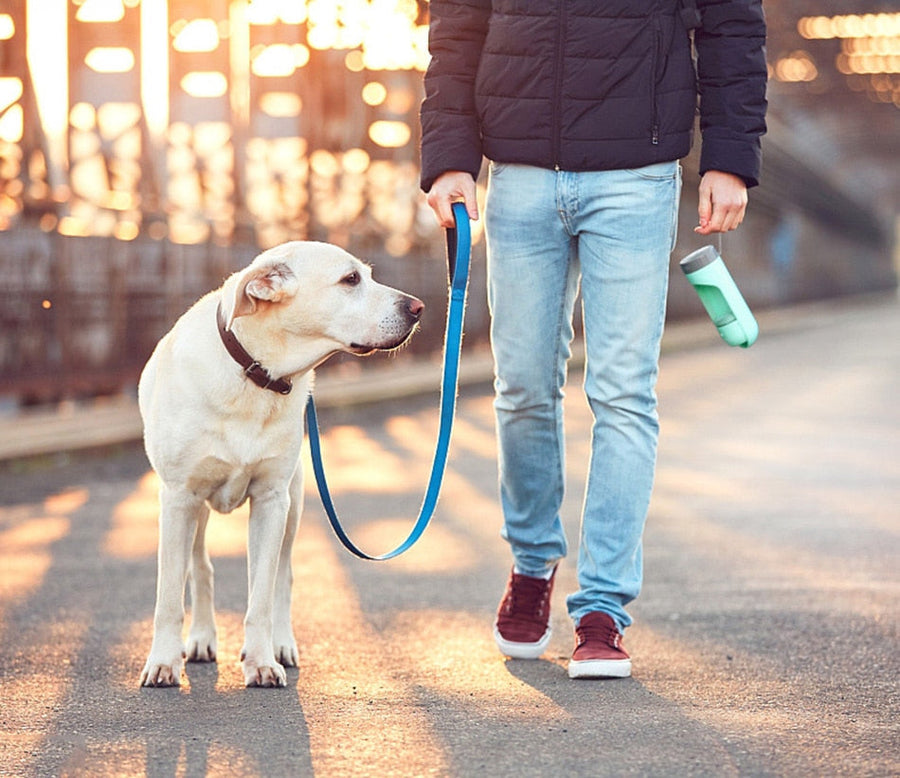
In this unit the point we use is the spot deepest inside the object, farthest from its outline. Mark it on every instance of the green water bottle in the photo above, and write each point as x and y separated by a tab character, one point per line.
723	301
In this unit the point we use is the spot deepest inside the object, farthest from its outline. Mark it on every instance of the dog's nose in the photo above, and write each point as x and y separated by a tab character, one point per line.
415	307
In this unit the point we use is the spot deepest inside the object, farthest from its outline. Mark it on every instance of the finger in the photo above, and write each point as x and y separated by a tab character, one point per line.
704	208
716	219
733	217
470	203
731	222
722	220
440	204
739	217
715	223
470	199
446	211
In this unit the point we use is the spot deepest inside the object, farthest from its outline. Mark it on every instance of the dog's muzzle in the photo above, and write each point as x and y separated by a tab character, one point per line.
401	329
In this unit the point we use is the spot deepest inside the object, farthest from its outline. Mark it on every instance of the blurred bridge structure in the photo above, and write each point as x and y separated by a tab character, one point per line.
150	147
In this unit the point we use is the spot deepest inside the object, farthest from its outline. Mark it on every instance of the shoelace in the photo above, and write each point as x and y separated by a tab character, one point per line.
601	633
527	597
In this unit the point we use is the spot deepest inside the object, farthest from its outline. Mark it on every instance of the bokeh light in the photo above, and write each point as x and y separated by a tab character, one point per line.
127	92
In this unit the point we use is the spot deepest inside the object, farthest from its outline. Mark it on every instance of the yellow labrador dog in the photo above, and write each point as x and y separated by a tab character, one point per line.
222	400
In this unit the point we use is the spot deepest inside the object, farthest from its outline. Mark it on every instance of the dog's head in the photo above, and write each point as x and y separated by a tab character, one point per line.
315	296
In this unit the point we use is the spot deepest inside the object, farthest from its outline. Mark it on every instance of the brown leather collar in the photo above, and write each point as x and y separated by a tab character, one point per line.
252	369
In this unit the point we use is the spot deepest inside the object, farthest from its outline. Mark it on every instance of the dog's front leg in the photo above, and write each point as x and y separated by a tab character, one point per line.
201	646
179	514
285	645
268	518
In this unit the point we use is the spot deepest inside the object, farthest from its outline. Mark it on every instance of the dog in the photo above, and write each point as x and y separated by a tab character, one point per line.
222	427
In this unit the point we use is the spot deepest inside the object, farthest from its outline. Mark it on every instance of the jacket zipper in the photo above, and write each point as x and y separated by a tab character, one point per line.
557	91
654	77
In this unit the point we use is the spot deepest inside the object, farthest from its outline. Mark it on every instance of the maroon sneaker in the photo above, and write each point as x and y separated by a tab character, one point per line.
599	652
522	629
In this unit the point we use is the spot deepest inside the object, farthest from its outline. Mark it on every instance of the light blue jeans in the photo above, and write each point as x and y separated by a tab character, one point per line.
611	233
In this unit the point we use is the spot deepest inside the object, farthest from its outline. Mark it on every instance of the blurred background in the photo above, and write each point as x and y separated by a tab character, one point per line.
148	148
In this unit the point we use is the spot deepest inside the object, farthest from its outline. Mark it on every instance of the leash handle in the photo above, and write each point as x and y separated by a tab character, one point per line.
459	214
459	246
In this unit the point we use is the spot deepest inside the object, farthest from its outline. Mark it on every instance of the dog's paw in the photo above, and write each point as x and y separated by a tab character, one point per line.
201	646
286	651
269	676
162	672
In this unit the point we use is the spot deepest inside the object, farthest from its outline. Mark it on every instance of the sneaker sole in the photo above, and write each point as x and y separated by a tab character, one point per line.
600	668
522	650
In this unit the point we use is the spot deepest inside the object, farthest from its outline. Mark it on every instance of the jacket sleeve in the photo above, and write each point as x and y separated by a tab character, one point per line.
451	138
732	73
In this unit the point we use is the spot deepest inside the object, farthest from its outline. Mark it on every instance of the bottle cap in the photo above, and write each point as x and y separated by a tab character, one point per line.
698	259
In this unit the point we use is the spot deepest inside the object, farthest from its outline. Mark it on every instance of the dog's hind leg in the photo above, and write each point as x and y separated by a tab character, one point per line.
179	515
201	643
285	645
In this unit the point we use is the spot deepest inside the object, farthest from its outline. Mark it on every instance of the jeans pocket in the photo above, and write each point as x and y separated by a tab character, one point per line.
676	204
495	168
658	171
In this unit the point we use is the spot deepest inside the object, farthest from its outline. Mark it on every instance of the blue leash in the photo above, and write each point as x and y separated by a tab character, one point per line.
459	243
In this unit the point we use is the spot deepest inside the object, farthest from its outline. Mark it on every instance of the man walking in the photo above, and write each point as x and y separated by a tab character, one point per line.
583	109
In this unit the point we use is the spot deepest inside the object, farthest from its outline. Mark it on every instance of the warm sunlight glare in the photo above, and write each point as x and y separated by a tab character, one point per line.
374	93
101	11
438	551
25	554
110	59
66	502
114	119
391	717
83	117
199	35
134	531
274	11
280	105
276	60
214	63
350	452
207	83
464	641
11	116
355	161
390	134
154	66
48	53
7	27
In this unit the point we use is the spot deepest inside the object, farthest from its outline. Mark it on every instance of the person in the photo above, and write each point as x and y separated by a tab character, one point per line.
583	109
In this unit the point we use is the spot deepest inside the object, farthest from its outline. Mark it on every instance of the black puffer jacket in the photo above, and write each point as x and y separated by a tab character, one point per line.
592	85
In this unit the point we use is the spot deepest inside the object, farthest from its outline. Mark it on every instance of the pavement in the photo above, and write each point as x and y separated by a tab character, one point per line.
765	641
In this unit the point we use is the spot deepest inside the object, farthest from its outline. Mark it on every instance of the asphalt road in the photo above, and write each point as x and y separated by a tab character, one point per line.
765	641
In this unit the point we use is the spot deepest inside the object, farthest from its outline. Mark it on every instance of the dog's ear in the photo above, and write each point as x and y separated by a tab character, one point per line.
266	283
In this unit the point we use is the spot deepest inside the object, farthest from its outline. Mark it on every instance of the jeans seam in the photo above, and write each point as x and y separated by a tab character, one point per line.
562	207
559	463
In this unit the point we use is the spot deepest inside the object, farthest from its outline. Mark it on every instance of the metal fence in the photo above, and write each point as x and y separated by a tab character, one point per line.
148	148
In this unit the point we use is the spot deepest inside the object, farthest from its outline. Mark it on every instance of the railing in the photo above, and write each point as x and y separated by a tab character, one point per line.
147	153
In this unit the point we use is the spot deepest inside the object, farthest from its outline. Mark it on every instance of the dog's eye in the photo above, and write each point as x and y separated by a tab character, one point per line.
351	279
